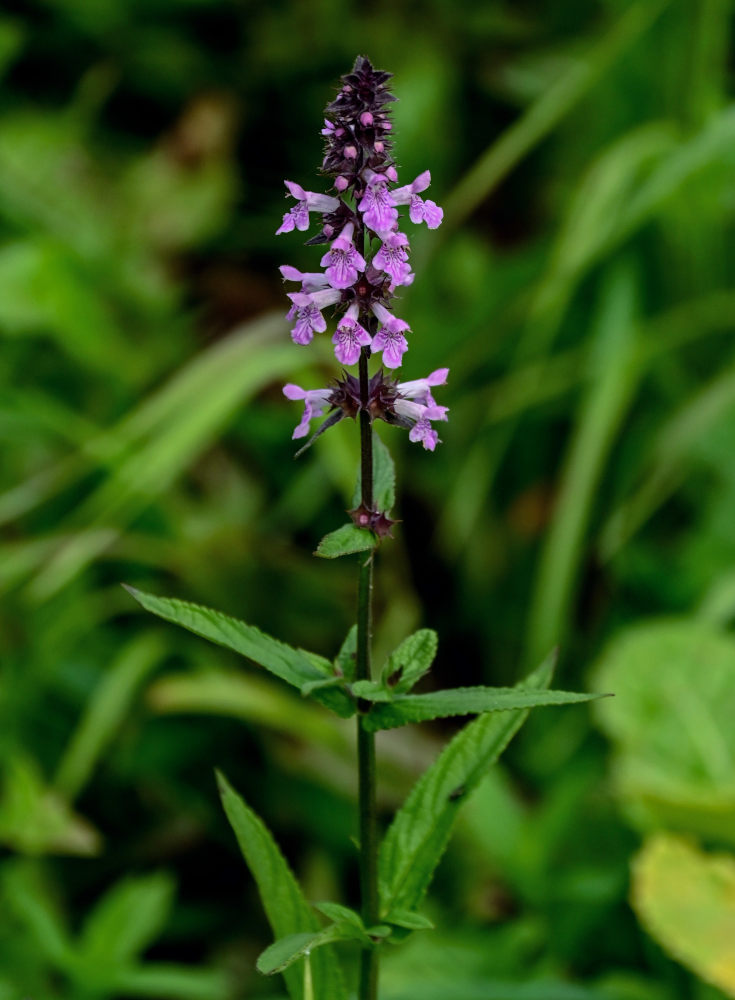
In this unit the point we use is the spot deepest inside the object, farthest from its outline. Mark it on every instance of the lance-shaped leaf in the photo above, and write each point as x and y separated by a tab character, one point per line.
292	665
458	701
345	541
420	830
126	921
283	901
410	660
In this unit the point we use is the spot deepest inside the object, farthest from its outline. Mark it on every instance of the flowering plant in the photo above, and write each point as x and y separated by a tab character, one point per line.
367	260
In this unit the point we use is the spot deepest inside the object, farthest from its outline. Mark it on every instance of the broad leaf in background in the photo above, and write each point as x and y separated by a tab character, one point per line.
420	830
685	899
106	710
291	665
458	701
125	922
28	898
671	724
251	698
284	903
104	961
35	819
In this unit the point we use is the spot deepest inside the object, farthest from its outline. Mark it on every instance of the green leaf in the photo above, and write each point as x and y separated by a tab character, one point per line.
287	950
126	921
409	919
461	701
106	710
165	981
372	690
411	660
345	541
337	912
345	660
311	686
379	931
671	724
254	698
460	988
35	819
384	478
284	903
32	901
686	900
153	444
291	665
420	830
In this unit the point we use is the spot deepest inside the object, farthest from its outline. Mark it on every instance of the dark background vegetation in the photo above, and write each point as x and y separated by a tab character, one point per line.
580	290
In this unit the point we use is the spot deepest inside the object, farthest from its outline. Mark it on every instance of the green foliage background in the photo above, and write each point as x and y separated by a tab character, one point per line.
581	292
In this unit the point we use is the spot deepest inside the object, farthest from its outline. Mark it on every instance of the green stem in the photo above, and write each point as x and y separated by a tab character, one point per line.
368	989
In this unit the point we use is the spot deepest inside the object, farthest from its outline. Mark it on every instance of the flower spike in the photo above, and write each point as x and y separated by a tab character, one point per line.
366	261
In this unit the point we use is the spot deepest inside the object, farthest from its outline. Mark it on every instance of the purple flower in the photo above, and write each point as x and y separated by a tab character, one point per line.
377	205
393	258
342	261
420	389
307	201
419	210
350	337
311	281
307	311
390	339
316	402
423	431
415	403
330	129
425	211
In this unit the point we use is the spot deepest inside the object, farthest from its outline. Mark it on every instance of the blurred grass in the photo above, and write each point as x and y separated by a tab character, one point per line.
581	292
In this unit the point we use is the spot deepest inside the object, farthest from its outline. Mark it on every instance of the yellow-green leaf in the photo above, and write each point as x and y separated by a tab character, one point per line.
685	899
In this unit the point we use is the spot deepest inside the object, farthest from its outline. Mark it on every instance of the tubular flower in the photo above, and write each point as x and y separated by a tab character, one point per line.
350	337
420	389
310	281
316	402
342	261
392	258
419	210
390	337
306	201
378	208
307	311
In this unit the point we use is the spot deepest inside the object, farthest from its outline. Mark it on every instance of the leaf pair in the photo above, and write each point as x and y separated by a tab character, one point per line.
392	705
